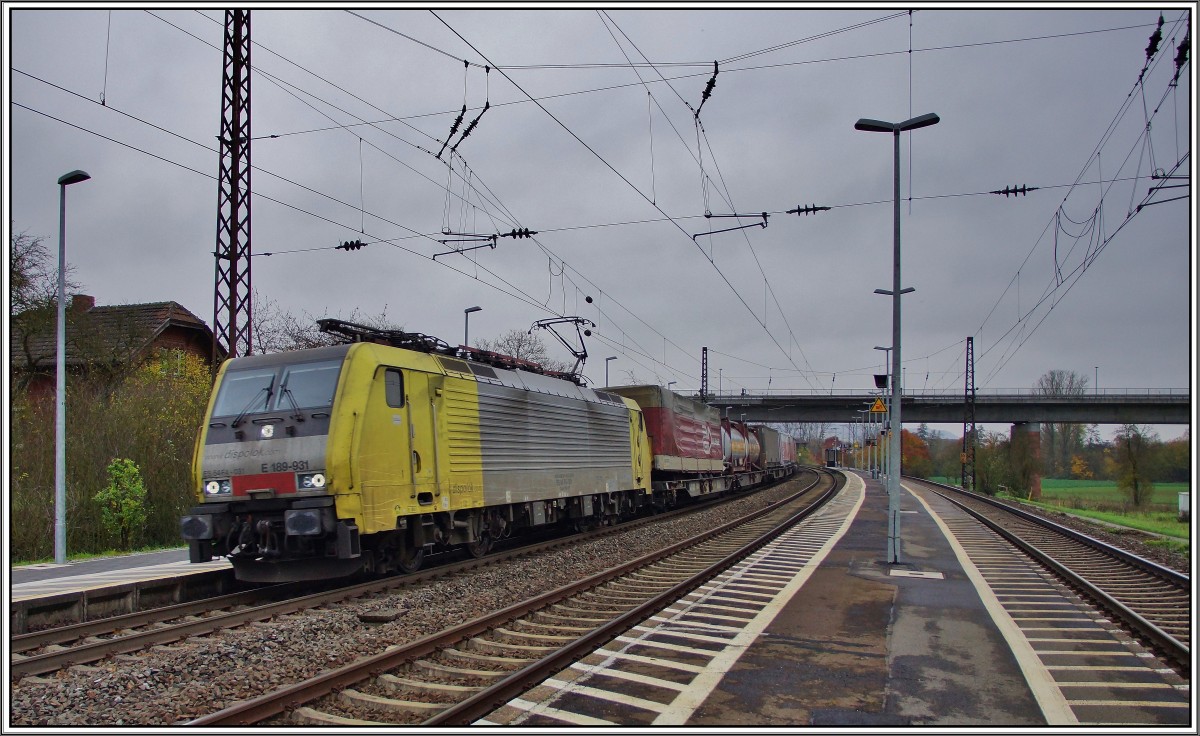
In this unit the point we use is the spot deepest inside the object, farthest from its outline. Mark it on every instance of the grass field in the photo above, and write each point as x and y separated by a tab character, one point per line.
1102	500
1097	493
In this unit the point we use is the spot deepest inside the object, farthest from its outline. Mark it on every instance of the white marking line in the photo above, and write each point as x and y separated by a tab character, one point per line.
688	623
700	612
601	694
558	715
917	574
1131	703
639	641
1096	668
686	704
81	583
630	676
640	659
674	632
1051	700
1119	685
722	660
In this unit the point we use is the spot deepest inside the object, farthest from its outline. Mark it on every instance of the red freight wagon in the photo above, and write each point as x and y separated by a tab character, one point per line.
685	434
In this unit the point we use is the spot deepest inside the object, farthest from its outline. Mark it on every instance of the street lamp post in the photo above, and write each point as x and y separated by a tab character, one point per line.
467	323
878	126
606	361
670	384
60	368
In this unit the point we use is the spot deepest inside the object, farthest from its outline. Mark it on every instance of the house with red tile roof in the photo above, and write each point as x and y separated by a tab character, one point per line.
105	339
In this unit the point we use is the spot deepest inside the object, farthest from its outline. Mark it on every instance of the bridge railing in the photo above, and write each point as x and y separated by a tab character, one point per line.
942	394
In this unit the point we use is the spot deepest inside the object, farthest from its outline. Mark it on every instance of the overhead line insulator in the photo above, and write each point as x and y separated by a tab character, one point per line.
712	82
1015	190
810	209
519	233
351	245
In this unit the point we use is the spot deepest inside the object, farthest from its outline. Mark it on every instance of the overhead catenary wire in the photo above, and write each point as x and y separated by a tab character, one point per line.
361	208
704	180
621	176
466	180
1094	155
613	87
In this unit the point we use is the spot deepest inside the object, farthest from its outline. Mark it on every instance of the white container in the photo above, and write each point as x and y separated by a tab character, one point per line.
1185	507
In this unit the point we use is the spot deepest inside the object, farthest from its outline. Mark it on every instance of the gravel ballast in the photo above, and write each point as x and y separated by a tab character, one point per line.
174	684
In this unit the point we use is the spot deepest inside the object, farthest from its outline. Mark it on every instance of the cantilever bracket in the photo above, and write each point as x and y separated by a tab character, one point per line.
489	241
709	215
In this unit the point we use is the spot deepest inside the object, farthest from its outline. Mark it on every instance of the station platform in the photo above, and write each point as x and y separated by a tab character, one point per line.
49	594
818	630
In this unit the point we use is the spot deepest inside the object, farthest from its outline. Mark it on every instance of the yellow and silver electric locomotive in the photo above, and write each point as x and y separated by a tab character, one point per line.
321	463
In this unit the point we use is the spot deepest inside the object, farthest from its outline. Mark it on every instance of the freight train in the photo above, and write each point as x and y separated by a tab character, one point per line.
362	456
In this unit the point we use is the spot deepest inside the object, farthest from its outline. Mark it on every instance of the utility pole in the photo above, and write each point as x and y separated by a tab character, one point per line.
232	295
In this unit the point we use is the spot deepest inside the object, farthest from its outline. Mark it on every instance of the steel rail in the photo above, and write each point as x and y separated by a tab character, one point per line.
94	651
1173	576
489	699
20	643
292	696
1175	650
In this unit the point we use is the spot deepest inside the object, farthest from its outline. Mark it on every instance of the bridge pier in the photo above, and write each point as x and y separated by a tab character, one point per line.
1025	452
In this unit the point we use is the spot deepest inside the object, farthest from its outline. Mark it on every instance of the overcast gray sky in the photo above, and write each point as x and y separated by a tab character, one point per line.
612	171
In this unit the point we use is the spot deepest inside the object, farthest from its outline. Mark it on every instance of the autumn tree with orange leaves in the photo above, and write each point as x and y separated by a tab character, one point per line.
914	455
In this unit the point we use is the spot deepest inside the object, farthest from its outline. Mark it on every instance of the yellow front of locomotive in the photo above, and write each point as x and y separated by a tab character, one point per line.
269	495
305	455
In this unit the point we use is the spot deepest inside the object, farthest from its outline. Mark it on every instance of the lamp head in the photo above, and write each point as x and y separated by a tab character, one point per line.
74	177
920	121
874	126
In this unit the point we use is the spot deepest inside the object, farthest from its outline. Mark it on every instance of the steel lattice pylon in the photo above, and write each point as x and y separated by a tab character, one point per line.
232	297
968	446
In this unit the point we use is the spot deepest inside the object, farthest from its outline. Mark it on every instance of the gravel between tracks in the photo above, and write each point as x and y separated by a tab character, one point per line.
170	685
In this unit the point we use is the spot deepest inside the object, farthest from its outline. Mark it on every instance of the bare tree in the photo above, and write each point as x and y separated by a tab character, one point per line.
525	346
1061	441
33	305
275	329
1134	450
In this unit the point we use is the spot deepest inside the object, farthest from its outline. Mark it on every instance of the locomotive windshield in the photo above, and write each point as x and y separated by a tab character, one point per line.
310	384
244	391
281	387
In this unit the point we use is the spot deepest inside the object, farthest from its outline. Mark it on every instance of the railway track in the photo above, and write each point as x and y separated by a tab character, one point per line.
49	650
461	674
1153	602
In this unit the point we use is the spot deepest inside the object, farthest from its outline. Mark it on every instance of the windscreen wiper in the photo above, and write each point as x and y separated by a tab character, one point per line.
299	416
253	399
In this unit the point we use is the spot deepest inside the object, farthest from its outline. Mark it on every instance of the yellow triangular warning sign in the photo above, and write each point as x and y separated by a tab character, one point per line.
878	407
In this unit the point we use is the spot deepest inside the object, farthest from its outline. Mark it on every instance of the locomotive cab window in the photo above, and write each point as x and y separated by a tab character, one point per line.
244	391
393	387
311	385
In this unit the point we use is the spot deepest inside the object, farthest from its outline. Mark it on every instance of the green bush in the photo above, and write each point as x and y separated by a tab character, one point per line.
150	416
123	501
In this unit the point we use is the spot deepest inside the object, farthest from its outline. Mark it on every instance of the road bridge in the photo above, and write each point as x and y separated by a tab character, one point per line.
1011	406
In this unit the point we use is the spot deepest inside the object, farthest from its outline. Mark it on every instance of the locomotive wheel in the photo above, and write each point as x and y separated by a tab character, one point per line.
410	559
481	546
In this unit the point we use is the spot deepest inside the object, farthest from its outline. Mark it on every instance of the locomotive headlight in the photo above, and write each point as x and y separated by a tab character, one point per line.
310	481
218	487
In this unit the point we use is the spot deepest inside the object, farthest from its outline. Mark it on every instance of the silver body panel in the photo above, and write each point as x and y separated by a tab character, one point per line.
542	438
